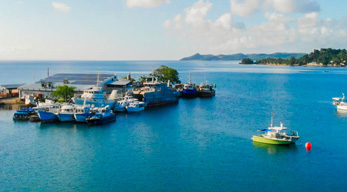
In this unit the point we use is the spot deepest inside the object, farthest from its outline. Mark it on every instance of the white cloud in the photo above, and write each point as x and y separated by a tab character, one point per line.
244	9
195	15
248	7
278	32
146	3
61	7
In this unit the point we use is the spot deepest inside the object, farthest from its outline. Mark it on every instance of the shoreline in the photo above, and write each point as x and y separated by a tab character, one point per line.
295	65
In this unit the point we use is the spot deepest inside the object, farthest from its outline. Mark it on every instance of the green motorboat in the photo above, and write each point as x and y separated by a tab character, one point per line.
276	136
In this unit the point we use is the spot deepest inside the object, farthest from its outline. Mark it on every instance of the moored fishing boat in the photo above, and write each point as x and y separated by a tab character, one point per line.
82	113
121	105
94	97
104	115
189	90
23	114
155	93
276	136
136	106
66	113
48	111
206	90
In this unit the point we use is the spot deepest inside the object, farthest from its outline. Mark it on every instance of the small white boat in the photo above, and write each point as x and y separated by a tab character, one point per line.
82	113
122	104
342	106
47	111
66	113
95	96
340	103
102	116
136	106
338	100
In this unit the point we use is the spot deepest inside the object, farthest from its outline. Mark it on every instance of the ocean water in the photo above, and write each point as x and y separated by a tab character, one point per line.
195	145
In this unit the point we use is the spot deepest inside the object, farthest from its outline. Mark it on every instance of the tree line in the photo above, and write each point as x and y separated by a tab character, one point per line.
325	56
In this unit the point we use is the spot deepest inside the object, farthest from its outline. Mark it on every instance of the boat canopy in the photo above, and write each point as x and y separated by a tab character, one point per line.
265	130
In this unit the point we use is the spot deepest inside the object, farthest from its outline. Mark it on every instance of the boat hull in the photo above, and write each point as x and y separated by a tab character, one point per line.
206	93
47	116
21	116
100	121
66	117
34	118
260	139
120	108
186	93
342	107
81	118
133	109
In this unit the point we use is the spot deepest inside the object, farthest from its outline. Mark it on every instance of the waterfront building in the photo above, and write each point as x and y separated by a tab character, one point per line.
9	90
81	82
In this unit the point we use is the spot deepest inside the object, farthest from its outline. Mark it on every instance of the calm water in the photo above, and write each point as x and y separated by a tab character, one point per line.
195	145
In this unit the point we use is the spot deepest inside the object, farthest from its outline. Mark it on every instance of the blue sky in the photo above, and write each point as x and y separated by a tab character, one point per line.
166	29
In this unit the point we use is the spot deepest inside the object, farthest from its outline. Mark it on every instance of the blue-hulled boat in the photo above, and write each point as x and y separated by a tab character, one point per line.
66	113
104	115
95	96
189	91
48	111
23	114
82	113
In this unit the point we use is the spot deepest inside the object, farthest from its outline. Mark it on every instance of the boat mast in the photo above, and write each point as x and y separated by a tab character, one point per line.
189	79
272	118
98	80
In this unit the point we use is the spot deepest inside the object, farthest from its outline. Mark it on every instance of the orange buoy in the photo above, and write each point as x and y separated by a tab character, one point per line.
308	146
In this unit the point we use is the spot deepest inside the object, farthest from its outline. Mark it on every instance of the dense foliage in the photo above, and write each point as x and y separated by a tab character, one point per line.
64	92
246	61
324	56
165	73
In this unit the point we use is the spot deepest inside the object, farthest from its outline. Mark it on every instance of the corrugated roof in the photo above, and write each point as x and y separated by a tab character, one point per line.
77	78
120	82
37	86
12	86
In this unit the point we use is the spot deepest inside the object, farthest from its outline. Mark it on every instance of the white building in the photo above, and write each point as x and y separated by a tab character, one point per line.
81	81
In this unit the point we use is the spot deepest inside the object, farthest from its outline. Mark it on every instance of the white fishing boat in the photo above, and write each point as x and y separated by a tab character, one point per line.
96	97
340	102
102	116
122	104
48	111
136	106
81	113
66	113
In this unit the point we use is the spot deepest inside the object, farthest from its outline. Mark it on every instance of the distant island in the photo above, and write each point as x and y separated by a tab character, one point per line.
323	57
240	56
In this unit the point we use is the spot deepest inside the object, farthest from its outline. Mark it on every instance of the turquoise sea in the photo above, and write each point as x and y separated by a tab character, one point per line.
195	145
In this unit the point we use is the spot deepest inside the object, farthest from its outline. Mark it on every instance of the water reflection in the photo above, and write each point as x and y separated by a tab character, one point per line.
273	149
65	125
12	107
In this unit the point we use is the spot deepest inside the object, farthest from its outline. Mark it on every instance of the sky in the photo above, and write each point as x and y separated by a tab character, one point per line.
166	29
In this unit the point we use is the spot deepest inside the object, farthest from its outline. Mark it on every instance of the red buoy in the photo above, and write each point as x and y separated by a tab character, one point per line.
308	146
